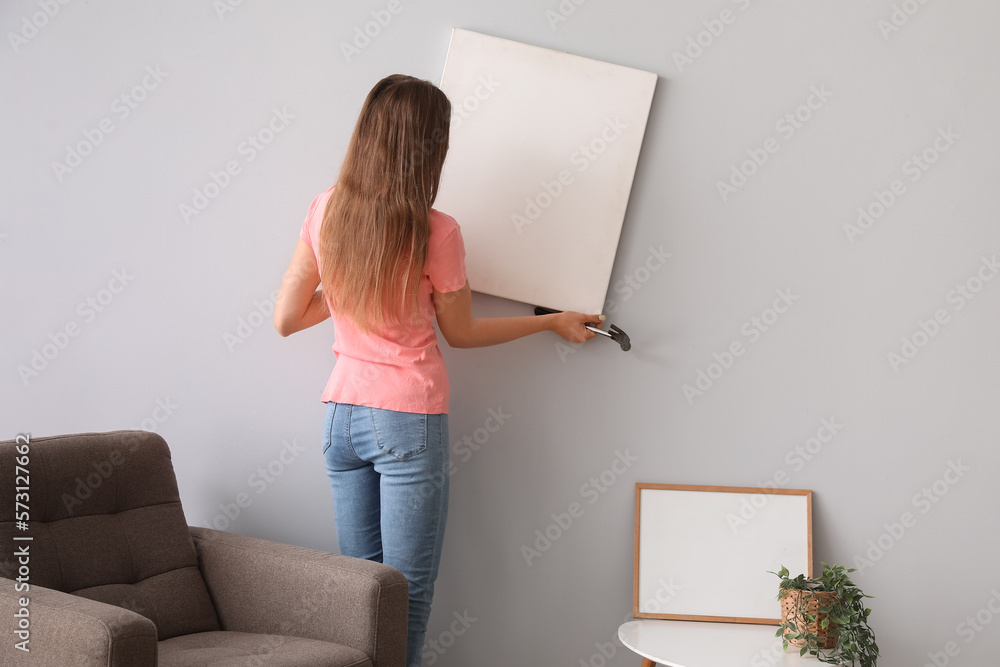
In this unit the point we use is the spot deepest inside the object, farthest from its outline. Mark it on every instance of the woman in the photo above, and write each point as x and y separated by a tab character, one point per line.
387	262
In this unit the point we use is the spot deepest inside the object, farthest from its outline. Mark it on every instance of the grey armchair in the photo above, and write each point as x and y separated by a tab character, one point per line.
118	579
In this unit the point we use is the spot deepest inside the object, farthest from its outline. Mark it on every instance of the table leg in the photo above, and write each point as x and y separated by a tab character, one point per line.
646	662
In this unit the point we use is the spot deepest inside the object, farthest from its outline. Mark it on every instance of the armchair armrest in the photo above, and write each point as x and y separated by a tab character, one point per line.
263	586
68	629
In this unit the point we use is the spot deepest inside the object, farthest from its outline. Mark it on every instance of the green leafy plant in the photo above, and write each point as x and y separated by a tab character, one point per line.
842	615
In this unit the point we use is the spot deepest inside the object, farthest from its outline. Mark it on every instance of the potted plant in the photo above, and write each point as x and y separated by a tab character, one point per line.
826	617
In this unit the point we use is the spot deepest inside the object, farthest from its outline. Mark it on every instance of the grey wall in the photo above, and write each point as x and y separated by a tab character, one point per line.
158	348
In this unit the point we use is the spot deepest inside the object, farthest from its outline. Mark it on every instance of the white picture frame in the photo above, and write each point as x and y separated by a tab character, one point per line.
705	553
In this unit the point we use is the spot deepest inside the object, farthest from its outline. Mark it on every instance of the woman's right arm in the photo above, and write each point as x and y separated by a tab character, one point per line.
460	329
300	305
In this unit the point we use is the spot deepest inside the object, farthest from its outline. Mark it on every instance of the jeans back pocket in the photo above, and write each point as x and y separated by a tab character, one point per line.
403	435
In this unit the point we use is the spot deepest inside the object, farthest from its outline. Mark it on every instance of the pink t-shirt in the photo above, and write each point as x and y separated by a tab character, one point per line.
400	369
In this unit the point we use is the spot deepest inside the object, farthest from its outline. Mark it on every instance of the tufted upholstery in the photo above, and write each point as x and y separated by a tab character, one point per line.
107	524
118	579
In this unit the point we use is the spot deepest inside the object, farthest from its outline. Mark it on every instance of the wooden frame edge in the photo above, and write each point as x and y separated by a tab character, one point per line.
635	557
712	619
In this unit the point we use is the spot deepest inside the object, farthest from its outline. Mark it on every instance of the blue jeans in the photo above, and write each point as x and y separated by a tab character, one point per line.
388	472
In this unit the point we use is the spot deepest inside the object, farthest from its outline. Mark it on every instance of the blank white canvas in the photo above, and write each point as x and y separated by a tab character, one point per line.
543	150
709	553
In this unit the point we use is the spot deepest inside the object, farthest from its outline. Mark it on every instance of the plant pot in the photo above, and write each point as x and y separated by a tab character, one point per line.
795	604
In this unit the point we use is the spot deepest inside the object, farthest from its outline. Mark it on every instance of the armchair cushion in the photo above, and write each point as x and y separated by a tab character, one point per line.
241	649
262	586
70	630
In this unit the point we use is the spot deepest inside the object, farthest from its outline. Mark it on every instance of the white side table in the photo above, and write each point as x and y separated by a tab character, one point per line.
708	644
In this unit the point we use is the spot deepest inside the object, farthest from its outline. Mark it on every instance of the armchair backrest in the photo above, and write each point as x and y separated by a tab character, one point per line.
106	523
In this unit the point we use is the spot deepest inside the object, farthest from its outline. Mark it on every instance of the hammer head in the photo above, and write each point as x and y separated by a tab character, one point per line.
620	337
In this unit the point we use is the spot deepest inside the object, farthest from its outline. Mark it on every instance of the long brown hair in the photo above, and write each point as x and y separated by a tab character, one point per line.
375	226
